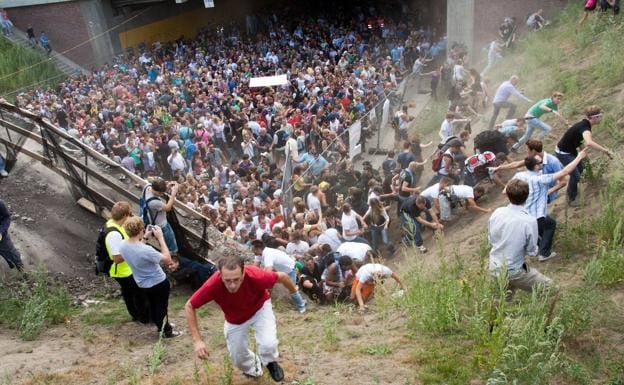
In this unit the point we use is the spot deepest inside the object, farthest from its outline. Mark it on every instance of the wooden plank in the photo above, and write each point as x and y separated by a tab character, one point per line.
190	232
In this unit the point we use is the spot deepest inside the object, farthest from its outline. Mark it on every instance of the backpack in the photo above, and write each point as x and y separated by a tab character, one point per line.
479	163
144	209
395	122
282	138
103	261
436	163
405	176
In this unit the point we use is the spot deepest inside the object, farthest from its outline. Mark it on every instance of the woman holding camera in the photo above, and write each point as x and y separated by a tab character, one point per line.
149	276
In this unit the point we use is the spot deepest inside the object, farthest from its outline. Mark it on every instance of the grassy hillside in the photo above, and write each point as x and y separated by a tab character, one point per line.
14	58
575	336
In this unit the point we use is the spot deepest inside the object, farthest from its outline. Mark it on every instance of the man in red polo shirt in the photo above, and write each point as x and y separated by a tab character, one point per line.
242	292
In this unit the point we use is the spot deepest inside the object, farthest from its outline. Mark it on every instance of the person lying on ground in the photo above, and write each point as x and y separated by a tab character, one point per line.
191	272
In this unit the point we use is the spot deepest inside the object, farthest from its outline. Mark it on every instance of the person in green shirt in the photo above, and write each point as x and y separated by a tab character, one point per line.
533	120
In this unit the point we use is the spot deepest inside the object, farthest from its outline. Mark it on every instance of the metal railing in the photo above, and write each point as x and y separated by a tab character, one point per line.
395	97
91	175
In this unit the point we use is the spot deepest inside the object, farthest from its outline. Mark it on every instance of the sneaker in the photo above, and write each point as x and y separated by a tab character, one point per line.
277	374
302	309
422	249
541	258
3	173
574	203
174	334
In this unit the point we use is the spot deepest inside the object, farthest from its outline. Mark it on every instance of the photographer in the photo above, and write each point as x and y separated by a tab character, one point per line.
157	209
149	276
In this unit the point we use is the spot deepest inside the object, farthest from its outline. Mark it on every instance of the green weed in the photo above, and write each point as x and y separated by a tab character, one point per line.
157	356
330	332
607	268
575	310
107	314
378	350
15	57
227	374
32	303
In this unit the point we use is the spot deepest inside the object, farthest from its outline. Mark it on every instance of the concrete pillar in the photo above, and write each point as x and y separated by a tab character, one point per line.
460	21
95	20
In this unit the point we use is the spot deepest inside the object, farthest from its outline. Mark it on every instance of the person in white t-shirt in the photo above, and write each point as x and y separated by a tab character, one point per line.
312	200
358	252
176	161
276	260
297	246
365	280
452	195
350	227
330	237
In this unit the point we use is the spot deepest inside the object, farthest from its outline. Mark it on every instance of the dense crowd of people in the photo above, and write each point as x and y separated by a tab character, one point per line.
182	114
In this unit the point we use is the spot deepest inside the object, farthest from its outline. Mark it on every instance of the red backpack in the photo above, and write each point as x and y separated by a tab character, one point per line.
436	163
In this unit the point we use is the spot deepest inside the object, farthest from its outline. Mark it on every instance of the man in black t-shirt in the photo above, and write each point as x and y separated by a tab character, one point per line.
412	220
407	184
407	156
310	280
567	149
389	165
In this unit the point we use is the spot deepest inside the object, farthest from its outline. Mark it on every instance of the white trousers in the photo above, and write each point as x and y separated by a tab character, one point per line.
237	338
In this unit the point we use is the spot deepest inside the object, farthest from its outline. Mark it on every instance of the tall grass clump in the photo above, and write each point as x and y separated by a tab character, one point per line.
14	58
517	340
32	303
607	268
611	68
532	344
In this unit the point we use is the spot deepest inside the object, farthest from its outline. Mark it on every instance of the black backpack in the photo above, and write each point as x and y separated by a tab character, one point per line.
281	138
103	261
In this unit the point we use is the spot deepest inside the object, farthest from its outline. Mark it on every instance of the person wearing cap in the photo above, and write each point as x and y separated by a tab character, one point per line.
157	209
567	148
242	293
276	260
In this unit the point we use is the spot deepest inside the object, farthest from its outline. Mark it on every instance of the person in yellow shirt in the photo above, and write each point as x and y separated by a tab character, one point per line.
135	300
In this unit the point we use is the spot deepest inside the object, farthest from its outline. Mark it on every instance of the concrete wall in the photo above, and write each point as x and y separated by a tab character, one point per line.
95	15
475	22
84	23
460	22
64	25
490	14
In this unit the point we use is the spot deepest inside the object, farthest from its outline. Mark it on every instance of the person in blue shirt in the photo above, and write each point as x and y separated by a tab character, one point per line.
45	43
315	161
550	165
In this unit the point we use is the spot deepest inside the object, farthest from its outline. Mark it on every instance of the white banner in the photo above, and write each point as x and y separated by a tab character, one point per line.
372	116
355	133
268	81
386	112
208	3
